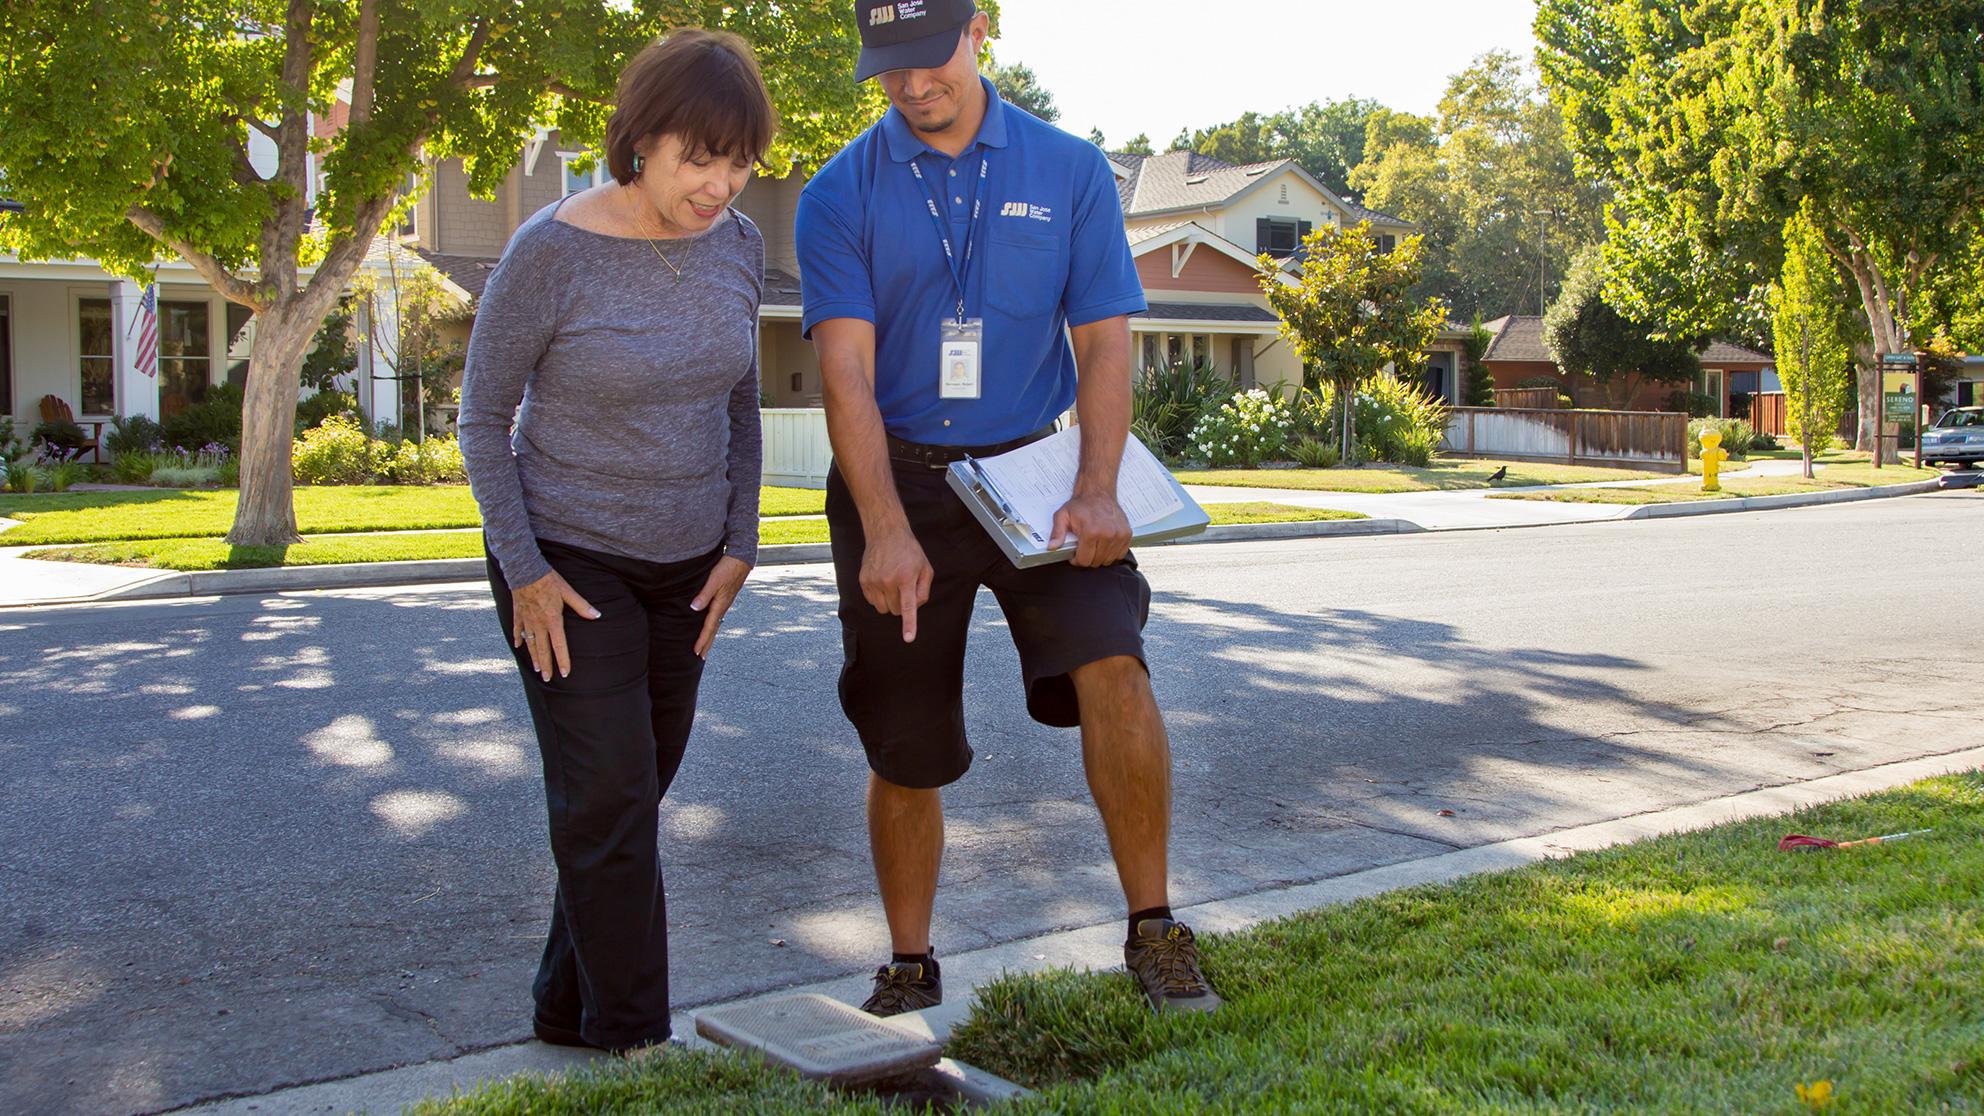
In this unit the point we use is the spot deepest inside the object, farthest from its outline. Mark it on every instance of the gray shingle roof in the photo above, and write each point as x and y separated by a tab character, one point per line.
470	273
1207	312
1187	179
781	289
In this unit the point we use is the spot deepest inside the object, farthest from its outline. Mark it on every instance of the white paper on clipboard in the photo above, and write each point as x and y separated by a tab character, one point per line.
1037	479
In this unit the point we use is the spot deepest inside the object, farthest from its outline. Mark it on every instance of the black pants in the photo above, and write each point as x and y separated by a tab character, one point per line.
612	737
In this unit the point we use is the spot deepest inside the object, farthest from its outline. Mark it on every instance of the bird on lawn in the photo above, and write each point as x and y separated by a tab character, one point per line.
1498	475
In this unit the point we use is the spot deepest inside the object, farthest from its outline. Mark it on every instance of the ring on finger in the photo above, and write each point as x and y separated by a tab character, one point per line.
528	636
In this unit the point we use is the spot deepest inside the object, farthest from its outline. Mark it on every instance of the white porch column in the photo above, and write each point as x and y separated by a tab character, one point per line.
134	392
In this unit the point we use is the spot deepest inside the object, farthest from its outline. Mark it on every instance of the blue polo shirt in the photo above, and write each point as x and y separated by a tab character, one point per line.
1048	252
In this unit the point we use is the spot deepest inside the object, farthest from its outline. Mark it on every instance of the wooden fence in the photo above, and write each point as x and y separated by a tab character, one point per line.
1767	413
1535	399
1654	440
796	449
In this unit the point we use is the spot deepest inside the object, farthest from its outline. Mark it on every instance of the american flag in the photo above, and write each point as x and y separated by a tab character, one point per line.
147	361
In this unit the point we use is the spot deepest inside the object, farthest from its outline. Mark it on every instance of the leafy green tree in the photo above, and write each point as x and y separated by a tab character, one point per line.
1095	137
129	123
1813	359
1139	145
1018	85
1589	338
1352	313
1716	121
1492	186
1325	137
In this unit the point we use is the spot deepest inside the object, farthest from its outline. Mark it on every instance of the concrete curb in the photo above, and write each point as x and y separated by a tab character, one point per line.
1100	946
1787	500
365	575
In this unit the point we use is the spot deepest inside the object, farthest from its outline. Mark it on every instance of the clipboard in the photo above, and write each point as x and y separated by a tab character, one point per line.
1014	536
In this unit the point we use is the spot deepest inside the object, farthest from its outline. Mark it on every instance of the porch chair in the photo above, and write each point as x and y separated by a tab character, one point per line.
54	408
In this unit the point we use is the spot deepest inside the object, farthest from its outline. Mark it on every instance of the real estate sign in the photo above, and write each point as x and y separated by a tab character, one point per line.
1898	389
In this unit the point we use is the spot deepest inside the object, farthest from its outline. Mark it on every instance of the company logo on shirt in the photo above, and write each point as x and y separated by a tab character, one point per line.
1026	209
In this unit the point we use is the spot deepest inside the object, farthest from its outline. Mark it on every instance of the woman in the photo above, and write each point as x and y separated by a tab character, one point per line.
622	514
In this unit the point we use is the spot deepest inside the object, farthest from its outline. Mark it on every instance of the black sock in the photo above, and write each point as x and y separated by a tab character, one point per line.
927	960
1154	912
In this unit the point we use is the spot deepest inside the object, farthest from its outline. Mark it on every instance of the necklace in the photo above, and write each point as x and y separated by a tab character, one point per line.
673	268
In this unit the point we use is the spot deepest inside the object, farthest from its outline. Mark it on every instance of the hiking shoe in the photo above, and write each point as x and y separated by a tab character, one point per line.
1164	957
902	986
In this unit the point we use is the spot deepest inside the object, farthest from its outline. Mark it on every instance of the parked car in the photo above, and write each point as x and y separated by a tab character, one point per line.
1957	438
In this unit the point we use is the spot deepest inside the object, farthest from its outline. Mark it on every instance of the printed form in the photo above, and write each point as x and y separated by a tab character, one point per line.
1036	480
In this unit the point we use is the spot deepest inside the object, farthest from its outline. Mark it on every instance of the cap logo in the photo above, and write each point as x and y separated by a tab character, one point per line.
884	14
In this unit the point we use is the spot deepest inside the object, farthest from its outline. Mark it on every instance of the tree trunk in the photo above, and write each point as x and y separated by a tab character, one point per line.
1889	336
266	515
1346	395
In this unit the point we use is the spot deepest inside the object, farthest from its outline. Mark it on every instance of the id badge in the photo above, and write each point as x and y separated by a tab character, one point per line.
960	346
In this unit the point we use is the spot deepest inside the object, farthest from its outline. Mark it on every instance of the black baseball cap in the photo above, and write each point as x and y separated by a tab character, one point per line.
908	34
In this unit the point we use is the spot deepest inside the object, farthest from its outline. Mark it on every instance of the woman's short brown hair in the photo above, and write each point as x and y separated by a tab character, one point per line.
702	86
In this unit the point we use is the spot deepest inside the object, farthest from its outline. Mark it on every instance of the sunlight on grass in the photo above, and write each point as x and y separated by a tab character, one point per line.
85	517
198	554
1702	972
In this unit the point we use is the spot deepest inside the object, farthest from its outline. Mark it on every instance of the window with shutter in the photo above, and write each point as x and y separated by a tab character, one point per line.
1264	234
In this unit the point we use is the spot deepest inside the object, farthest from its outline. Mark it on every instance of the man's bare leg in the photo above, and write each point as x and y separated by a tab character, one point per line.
1128	758
906	837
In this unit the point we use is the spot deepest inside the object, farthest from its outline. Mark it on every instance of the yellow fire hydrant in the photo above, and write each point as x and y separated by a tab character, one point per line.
1713	455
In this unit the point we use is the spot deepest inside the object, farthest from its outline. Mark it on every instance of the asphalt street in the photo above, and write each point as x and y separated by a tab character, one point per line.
256	841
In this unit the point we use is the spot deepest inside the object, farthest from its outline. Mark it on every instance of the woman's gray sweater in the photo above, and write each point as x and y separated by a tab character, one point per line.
638	433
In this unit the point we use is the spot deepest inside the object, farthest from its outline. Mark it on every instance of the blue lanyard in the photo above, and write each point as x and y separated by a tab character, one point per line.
959	274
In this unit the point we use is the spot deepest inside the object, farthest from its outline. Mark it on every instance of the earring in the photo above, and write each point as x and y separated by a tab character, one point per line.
640	164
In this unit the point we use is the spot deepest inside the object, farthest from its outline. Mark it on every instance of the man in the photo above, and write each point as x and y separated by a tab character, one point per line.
959	231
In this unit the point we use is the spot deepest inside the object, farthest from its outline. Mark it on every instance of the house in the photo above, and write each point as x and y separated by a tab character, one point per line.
1197	226
1732	376
68	328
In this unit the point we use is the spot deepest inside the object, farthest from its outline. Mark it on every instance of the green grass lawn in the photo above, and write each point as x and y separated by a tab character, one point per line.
1861	474
197	554
87	517
1445	474
1694	973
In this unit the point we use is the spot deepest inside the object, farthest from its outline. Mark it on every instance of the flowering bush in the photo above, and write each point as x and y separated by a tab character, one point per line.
1249	428
434	461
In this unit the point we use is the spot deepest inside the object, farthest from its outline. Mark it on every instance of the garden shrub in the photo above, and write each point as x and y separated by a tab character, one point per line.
1313	454
1168	403
311	412
435	461
1399	423
67	438
1248	429
215	420
137	466
1737	436
184	476
338	452
133	434
23	477
1764	440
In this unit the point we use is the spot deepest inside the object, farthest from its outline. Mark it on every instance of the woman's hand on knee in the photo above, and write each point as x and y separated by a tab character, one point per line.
724	583
540	622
